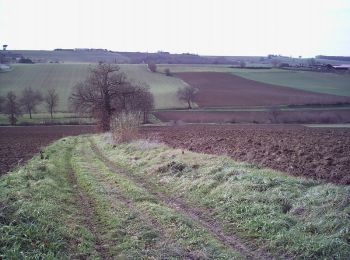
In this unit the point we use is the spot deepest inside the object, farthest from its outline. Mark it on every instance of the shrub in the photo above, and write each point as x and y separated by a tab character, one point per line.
125	126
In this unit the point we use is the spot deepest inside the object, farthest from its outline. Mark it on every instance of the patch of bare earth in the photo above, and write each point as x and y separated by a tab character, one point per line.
318	153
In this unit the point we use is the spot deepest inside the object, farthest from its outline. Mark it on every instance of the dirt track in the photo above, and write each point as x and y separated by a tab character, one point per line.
316	153
217	89
18	144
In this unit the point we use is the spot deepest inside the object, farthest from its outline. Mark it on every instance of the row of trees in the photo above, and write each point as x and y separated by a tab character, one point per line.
27	103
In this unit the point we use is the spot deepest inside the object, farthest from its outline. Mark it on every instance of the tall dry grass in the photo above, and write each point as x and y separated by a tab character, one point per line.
125	126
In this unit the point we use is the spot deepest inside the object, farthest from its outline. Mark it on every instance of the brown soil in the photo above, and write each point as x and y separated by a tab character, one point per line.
18	144
217	89
301	117
316	153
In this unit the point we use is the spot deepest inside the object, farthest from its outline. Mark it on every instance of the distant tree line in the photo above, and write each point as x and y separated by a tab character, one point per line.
27	102
340	58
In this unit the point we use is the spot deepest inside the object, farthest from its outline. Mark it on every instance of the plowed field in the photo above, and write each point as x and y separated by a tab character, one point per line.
218	89
316	153
18	144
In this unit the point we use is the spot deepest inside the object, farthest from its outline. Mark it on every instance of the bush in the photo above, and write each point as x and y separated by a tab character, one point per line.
125	126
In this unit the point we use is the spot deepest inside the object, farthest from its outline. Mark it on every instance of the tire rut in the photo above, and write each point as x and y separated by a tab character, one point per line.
198	215
86	207
113	194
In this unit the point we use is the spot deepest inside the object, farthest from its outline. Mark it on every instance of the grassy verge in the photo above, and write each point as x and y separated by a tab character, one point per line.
39	215
287	216
45	119
135	222
69	203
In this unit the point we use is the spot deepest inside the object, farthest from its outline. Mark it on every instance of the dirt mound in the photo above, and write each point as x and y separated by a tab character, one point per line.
218	89
316	153
18	144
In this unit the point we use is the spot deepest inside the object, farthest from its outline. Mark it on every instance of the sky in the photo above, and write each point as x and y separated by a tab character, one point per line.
206	27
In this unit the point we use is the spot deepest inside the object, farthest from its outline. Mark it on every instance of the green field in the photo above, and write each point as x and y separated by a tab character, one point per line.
63	77
145	200
328	83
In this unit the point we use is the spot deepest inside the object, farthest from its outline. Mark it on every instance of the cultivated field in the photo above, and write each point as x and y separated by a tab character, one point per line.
223	89
144	200
319	153
327	83
18	144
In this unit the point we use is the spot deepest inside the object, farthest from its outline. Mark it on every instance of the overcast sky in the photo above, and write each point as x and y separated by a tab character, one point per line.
212	27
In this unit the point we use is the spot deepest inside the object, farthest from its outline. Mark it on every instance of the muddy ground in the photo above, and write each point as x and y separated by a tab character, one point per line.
317	153
217	89
18	144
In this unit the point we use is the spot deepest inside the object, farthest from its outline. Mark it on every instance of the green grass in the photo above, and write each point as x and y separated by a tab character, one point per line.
63	77
45	118
42	216
39	215
327	83
284	214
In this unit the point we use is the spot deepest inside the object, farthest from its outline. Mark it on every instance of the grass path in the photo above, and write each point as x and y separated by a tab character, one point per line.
201	216
86	198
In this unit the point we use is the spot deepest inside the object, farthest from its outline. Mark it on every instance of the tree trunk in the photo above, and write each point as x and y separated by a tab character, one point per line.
51	112
189	105
30	114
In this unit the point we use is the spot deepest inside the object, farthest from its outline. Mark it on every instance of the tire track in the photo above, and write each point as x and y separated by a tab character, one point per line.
86	206
198	215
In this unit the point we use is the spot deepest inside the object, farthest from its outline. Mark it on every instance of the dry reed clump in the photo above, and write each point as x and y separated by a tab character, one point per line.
125	126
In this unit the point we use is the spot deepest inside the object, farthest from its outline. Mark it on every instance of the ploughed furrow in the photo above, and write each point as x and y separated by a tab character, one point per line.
86	207
134	223
198	215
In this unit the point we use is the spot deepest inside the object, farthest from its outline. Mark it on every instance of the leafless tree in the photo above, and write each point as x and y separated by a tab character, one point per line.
187	94
51	100
12	107
105	92
30	99
152	66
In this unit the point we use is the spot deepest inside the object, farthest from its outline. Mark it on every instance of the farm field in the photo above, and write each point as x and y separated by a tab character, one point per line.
18	144
320	153
147	200
63	77
326	83
223	89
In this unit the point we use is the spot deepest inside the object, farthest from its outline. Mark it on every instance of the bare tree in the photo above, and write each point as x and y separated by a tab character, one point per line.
152	66
30	99
187	94
105	92
12	107
51	100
